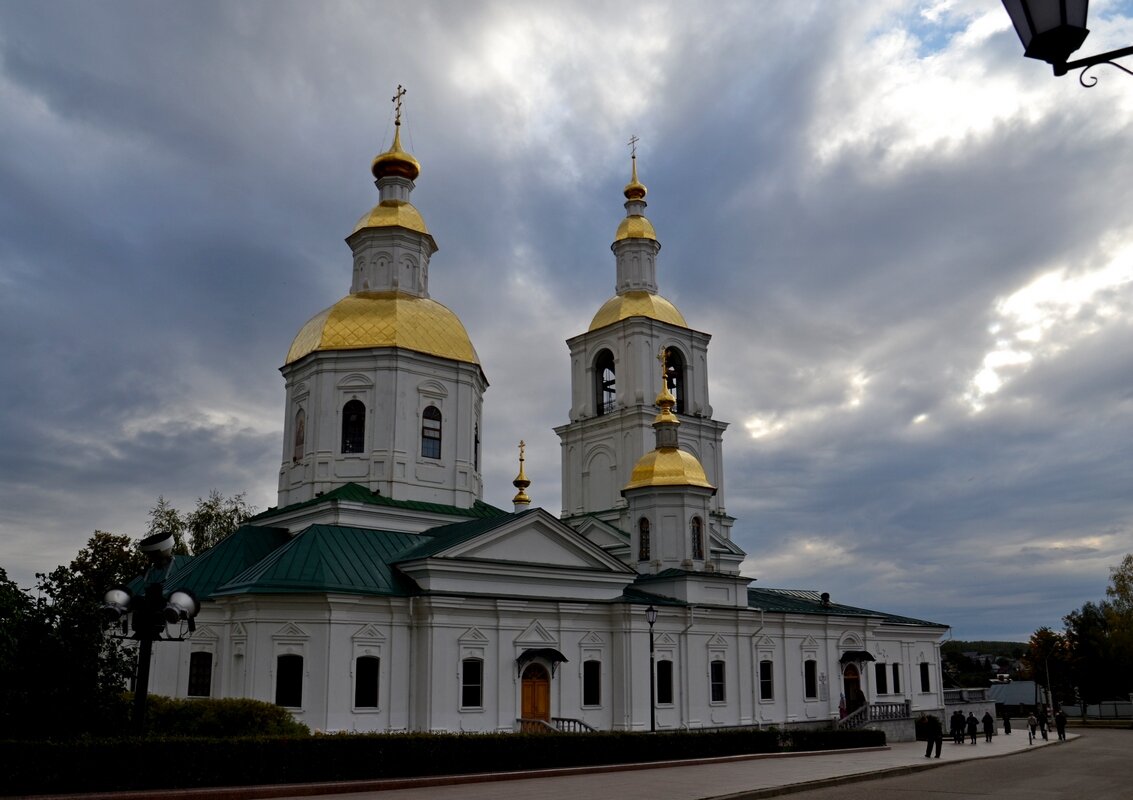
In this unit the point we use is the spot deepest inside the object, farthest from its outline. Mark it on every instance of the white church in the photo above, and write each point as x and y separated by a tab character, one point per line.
382	593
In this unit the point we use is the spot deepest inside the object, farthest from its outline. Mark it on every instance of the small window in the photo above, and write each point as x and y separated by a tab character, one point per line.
431	432
289	681
810	678
926	684
643	544
896	679
300	435
200	674
472	683
476	448
353	427
881	676
592	683
367	670
716	679
766	681
697	533
665	682
606	390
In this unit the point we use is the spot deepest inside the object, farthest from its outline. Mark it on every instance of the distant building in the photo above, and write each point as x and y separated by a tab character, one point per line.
382	594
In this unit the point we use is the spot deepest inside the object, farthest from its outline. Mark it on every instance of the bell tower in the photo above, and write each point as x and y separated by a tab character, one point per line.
614	380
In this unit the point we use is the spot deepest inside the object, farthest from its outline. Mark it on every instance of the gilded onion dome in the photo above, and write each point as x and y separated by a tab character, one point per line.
395	161
637	304
521	481
385	319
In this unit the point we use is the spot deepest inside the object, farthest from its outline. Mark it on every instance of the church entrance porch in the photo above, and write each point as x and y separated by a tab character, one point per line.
536	693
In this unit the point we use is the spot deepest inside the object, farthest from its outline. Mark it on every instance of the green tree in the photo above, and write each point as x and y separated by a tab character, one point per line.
214	518
164	518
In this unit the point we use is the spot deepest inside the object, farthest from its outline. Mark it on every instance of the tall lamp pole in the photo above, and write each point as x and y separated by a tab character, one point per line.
651	617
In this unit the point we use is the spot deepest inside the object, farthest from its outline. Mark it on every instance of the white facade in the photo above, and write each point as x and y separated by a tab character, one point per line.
383	595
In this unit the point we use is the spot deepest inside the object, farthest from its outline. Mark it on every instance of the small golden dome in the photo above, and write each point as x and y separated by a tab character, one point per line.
668	466
635	226
635	189
392	214
637	304
385	319
395	161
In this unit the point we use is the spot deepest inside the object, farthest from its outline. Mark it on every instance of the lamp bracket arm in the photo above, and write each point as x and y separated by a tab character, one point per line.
1084	64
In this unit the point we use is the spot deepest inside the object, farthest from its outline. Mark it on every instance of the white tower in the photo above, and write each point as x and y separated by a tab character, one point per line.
614	379
384	388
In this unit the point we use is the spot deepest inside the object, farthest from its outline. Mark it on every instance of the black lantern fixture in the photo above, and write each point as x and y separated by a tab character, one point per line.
651	617
1053	29
151	612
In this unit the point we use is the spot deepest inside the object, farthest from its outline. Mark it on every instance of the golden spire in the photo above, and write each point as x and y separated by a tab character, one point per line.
665	400
395	161
635	189
521	500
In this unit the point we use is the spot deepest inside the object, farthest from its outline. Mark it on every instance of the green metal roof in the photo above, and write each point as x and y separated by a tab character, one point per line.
329	558
806	601
226	559
355	493
446	536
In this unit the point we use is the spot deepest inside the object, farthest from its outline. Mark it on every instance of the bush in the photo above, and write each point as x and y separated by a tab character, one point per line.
205	716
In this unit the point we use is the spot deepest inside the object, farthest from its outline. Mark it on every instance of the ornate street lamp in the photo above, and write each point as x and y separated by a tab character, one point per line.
151	613
651	617
1053	29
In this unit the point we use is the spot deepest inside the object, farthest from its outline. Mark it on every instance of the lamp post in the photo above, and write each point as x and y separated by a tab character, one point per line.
1053	29
651	617
152	612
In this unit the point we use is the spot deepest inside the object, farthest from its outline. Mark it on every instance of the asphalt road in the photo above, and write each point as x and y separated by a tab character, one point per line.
1097	766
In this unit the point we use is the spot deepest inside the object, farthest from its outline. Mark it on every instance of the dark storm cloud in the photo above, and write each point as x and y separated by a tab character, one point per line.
178	178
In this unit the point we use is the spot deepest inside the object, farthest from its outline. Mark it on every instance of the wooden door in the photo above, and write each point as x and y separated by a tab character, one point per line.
536	693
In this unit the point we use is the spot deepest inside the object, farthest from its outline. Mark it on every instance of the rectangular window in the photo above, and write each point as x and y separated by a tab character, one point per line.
716	680
592	683
766	681
882	678
664	682
289	681
200	674
926	684
810	678
367	670
896	679
472	683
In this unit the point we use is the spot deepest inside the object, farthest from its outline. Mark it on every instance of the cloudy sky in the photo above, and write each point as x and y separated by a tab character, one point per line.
912	246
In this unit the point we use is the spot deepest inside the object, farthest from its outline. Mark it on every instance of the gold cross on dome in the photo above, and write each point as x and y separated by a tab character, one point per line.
522	447
663	357
397	100
633	140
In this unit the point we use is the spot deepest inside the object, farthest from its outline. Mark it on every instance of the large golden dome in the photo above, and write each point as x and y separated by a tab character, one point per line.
391	214
385	319
635	226
668	466
637	304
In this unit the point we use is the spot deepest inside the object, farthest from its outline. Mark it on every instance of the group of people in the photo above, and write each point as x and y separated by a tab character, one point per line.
1037	726
959	726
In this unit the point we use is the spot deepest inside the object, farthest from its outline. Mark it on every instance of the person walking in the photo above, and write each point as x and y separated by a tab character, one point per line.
989	726
1043	719
957	727
973	726
1006	723
934	735
1032	725
1060	724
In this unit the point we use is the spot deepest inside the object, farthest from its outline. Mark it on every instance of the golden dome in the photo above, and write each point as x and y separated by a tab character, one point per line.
635	226
395	161
637	304
385	319
392	214
635	189
668	466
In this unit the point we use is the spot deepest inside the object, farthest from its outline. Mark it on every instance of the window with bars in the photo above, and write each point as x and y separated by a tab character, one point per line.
431	432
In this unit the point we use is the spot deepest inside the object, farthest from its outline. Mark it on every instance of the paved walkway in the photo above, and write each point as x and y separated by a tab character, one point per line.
746	777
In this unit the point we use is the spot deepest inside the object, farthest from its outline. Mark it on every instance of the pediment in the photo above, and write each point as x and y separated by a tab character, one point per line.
718	640
534	539
473	635
368	633
205	632
809	643
601	533
593	637
238	629
535	633
764	642
664	638
290	631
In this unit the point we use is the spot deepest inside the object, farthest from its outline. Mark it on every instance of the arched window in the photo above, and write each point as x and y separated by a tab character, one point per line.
300	435
431	432
675	377
605	388
697	534
353	426
643	539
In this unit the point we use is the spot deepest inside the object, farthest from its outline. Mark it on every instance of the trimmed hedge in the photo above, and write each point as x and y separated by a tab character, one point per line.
220	717
168	763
